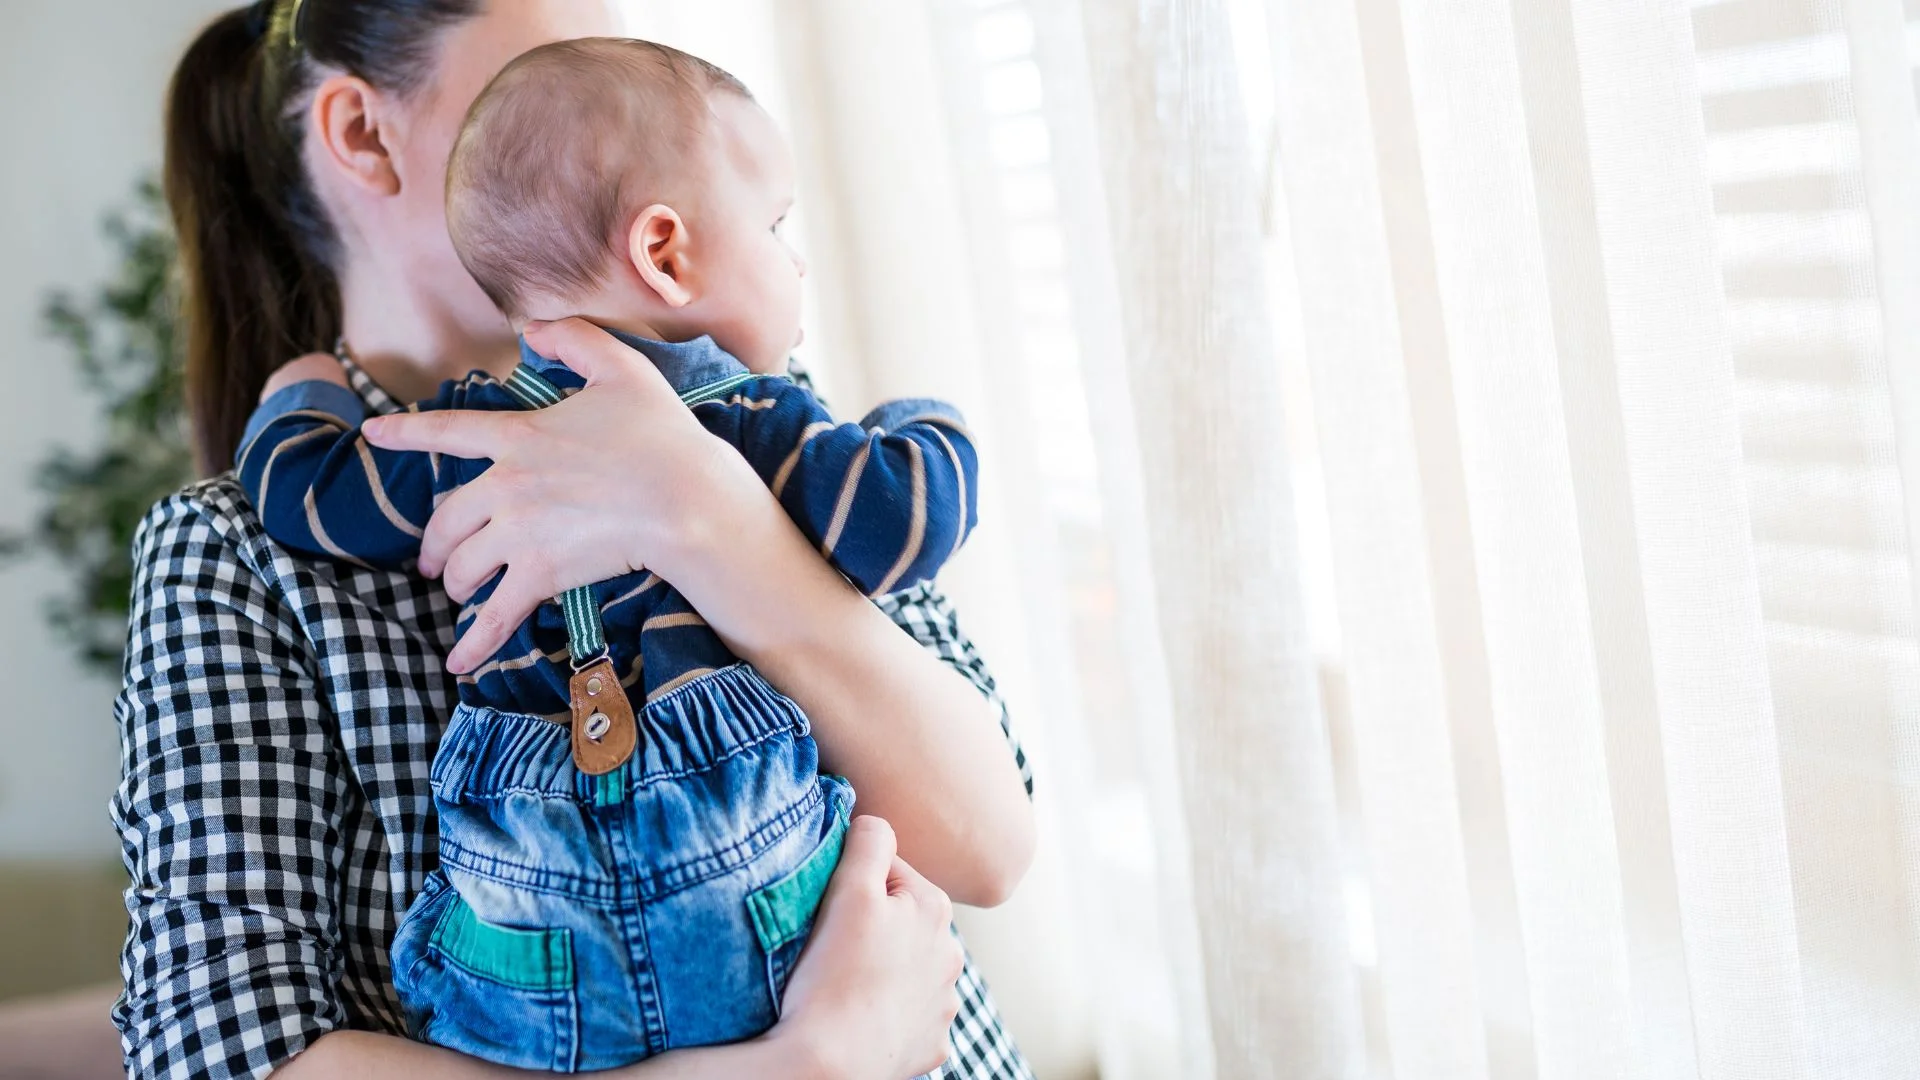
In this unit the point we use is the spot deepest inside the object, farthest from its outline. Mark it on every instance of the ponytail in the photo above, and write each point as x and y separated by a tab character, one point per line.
254	295
258	254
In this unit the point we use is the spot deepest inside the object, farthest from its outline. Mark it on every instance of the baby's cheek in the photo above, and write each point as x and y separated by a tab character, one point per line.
774	319
744	335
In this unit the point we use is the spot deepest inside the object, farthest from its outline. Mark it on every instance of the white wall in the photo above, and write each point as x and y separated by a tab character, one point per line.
82	86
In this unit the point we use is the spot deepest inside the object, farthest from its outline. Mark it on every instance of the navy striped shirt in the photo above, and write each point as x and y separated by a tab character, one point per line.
887	501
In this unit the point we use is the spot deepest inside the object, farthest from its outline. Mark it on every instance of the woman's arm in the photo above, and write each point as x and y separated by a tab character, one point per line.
915	738
871	999
231	795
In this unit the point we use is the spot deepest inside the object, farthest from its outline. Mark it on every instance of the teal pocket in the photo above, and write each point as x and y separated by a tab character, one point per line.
523	959
782	911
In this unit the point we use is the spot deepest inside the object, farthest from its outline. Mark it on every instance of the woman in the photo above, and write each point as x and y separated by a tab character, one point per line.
279	716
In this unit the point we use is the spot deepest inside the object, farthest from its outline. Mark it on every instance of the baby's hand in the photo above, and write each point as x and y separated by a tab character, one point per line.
313	367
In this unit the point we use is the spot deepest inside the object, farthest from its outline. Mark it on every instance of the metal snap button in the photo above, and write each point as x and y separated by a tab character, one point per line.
593	686
597	726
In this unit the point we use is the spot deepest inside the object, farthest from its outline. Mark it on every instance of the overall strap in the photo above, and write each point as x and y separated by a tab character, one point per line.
586	637
604	731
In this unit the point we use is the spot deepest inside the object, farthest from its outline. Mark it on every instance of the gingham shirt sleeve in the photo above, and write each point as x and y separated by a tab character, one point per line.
926	615
231	798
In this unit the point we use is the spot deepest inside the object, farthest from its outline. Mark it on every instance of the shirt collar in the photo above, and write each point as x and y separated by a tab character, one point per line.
687	365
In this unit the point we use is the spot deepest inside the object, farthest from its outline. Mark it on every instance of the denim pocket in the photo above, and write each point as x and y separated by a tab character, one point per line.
498	993
782	911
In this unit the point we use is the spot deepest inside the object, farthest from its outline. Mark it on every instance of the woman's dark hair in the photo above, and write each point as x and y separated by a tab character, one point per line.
258	256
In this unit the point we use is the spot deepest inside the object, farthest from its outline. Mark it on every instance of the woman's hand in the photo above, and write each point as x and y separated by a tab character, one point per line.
873	994
621	475
871	999
616	477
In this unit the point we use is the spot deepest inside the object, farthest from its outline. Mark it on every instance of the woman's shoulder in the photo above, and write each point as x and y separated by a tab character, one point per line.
207	518
208	539
202	552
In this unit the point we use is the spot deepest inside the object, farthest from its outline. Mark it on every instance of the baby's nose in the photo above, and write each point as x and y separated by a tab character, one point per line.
800	264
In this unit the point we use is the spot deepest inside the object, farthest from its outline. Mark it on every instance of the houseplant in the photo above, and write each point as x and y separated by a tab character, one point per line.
123	340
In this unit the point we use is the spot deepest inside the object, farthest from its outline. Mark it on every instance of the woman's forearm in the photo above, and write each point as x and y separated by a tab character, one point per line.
917	741
363	1055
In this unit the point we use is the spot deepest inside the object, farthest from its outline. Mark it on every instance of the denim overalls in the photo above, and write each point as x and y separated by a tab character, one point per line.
672	895
580	922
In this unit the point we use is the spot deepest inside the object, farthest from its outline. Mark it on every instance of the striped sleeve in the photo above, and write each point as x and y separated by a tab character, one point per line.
322	490
888	500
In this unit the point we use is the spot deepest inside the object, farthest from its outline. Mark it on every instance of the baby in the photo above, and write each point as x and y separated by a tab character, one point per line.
634	834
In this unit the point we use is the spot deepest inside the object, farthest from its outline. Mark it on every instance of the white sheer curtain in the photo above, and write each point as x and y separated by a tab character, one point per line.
1602	319
1452	476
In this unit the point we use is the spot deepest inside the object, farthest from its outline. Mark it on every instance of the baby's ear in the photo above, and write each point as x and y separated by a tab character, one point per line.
659	249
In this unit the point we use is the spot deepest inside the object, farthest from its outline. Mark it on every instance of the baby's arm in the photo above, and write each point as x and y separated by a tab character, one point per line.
888	500
319	487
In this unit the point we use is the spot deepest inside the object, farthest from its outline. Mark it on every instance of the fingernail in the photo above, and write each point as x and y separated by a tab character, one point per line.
458	667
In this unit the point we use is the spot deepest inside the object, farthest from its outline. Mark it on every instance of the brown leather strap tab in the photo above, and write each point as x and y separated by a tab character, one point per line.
604	732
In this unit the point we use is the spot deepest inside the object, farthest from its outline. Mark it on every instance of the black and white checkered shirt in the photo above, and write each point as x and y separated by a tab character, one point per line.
277	725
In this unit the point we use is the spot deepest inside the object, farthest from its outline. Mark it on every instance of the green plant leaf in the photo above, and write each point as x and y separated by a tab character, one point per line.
124	341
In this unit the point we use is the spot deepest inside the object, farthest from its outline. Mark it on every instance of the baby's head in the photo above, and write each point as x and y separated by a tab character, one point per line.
634	185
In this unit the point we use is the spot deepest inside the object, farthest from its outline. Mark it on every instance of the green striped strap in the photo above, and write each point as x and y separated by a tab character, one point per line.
713	391
586	637
532	388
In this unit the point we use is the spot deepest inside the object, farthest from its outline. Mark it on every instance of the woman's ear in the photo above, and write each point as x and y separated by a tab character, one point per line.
660	250
356	134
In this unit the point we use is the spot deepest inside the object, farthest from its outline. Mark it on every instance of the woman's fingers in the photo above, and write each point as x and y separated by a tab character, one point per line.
587	490
457	519
873	994
595	355
905	882
474	563
590	351
869	859
934	912
515	598
936	1051
454	432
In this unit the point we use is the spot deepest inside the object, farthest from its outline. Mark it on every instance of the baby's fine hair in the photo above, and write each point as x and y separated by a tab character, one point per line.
560	147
